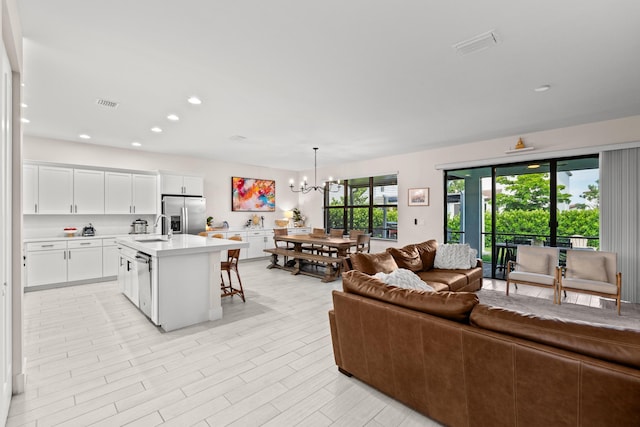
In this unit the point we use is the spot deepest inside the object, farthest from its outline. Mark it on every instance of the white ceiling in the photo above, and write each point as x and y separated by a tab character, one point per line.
358	78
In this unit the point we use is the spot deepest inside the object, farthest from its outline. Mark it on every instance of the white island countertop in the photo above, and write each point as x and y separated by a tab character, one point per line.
179	244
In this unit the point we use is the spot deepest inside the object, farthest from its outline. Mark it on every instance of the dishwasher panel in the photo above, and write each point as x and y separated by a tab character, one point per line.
143	262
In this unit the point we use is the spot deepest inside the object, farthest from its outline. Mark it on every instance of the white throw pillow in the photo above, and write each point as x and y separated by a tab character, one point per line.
452	256
473	258
403	278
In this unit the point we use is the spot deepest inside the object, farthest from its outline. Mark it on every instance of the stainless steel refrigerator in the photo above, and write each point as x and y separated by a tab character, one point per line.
186	215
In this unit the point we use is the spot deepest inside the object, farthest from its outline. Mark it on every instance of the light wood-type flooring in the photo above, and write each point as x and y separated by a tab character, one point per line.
94	359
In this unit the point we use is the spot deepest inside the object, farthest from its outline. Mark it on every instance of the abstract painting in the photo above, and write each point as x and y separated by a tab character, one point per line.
253	195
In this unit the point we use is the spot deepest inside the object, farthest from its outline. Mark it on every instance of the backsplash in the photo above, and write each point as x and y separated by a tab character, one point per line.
40	226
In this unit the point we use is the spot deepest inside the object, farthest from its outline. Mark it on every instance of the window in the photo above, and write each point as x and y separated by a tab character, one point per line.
369	204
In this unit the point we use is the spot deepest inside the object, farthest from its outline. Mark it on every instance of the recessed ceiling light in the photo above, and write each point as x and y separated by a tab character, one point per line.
136	144
542	88
194	100
156	129
23	105
84	136
533	166
173	117
23	120
237	138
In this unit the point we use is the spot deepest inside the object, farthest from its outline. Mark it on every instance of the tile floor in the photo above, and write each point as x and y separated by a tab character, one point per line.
94	359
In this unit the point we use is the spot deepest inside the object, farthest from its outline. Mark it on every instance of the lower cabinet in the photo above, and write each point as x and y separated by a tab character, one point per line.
110	258
84	260
54	262
259	240
46	263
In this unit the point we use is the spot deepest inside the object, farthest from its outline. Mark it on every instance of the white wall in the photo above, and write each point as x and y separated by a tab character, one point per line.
419	169
217	176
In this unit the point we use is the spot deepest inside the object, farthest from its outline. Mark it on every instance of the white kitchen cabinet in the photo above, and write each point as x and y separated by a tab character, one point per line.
117	193
144	194
30	189
84	260
127	193
55	190
110	260
88	191
182	185
46	263
258	241
59	190
61	261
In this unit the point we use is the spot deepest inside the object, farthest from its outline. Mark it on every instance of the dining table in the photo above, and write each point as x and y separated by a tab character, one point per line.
307	250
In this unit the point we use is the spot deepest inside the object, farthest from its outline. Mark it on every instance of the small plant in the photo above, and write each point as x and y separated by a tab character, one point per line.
297	215
209	221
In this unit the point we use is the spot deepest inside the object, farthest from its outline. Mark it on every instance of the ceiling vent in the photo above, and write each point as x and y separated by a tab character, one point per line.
477	43
107	103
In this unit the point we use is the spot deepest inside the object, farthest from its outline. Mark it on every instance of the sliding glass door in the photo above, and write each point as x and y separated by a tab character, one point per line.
497	208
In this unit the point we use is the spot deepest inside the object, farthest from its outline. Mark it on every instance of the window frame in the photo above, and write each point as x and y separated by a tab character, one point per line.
348	208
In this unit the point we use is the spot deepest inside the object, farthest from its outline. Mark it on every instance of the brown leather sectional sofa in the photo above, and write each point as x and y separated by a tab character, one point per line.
466	364
418	258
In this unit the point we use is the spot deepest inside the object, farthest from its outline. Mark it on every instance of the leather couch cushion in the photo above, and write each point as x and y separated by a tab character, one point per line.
449	305
427	251
452	278
612	344
407	257
373	263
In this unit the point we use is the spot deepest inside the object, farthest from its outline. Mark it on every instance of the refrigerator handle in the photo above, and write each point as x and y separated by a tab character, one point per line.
185	220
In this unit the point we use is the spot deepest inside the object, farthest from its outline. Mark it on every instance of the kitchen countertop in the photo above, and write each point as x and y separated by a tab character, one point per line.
180	244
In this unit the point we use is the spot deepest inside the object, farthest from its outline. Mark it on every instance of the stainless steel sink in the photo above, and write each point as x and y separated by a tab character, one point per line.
151	239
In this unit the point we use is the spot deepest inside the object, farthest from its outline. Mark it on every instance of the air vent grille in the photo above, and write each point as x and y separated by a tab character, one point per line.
477	43
107	103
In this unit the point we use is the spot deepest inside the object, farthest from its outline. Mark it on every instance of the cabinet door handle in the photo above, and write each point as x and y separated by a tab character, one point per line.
69	254
64	255
134	208
71	208
76	208
36	206
130	210
46	246
85	243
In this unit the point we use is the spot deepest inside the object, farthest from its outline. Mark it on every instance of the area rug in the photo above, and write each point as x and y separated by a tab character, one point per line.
606	315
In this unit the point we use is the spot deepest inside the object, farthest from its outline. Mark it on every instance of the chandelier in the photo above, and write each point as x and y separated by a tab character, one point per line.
305	187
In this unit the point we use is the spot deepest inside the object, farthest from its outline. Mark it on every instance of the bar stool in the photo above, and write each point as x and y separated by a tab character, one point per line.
233	255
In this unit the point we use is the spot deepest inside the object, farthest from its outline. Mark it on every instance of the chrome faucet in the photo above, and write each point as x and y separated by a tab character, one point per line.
170	231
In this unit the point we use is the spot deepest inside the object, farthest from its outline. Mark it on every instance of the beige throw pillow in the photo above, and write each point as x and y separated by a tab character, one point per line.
587	268
533	263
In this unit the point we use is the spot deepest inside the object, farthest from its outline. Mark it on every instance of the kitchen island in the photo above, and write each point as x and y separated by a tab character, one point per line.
175	282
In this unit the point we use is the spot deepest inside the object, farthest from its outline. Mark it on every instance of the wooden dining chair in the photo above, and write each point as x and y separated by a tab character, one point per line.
355	233
233	255
363	243
336	232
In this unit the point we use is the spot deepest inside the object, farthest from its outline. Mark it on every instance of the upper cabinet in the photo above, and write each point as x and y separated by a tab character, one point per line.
30	189
58	190
49	189
182	185
55	190
127	193
88	191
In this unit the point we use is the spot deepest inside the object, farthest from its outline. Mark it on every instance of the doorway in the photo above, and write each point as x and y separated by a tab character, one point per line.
548	203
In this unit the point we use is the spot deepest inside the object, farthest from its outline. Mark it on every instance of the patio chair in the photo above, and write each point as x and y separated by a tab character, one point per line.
593	273
535	266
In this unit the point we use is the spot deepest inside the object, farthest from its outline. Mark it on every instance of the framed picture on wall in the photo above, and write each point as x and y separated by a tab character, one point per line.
419	196
253	195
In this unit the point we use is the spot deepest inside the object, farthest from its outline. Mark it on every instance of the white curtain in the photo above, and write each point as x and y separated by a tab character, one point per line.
619	217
